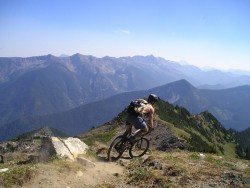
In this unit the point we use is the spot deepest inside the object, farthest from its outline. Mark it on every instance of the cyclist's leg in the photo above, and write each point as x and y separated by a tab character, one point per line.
141	132
128	129
141	127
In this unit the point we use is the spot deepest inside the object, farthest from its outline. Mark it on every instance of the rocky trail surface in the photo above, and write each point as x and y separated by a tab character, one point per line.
171	168
50	175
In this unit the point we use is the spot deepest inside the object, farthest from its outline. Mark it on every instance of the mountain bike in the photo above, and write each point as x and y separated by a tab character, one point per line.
136	147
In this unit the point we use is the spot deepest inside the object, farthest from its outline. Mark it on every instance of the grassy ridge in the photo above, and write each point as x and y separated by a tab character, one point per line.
202	132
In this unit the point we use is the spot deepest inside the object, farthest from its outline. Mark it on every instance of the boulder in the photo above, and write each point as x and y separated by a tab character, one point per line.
85	162
75	146
69	148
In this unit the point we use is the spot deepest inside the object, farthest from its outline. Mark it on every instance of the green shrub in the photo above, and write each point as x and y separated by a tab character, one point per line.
229	165
140	174
103	137
211	159
194	156
17	176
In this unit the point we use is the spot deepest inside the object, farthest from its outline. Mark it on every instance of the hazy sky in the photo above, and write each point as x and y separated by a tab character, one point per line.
212	33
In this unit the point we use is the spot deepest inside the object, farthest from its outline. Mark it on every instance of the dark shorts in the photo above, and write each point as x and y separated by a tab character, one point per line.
137	121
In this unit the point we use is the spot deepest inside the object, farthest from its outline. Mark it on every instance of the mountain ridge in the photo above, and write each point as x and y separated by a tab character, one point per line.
93	114
48	84
201	132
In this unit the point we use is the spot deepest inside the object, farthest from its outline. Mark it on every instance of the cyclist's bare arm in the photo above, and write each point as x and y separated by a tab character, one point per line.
150	111
151	117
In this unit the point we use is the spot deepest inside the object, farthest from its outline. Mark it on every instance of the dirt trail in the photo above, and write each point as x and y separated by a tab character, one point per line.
50	175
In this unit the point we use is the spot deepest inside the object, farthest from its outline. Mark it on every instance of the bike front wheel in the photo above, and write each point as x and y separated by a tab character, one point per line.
139	148
116	149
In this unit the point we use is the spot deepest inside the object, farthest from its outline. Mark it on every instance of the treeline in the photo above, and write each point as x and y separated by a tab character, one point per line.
243	140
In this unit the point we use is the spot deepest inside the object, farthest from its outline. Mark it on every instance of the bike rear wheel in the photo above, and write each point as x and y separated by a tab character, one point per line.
116	149
139	148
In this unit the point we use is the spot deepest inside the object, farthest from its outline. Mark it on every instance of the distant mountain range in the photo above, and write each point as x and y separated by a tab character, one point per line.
48	84
230	106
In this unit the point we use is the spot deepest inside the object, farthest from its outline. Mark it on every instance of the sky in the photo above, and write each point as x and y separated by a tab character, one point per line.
207	33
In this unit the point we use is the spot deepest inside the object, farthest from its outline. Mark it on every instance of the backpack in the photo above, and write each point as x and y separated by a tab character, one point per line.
136	106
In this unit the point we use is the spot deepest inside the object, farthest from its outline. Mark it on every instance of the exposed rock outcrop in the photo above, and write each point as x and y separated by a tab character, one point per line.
163	139
23	146
55	146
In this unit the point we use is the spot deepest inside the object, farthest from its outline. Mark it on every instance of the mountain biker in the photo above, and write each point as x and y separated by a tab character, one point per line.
138	119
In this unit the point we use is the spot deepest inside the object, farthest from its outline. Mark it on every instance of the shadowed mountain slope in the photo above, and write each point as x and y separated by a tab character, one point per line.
180	93
48	84
230	106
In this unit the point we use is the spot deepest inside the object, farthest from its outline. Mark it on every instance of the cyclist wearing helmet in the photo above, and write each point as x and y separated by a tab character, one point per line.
146	110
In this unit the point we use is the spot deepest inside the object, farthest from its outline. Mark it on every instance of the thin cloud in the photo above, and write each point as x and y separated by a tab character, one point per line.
123	31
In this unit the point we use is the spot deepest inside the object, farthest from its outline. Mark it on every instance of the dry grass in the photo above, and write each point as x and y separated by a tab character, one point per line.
105	185
17	175
180	168
63	165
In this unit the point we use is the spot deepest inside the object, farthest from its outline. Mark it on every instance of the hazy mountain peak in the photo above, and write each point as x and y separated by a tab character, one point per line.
76	55
50	56
182	83
82	58
81	55
64	55
150	56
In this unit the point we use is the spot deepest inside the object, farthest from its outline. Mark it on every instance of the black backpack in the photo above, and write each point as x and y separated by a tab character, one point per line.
136	106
